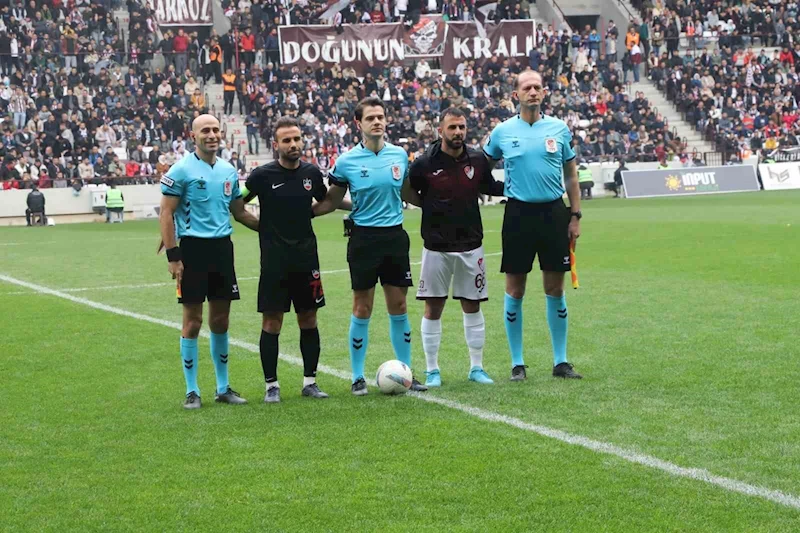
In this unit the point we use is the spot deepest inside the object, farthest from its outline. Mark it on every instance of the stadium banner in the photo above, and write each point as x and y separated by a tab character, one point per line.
426	38
693	180
182	12
785	155
780	176
506	39
354	45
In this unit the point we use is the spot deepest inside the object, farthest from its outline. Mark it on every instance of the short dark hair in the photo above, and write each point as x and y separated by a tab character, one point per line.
370	101
452	112
284	122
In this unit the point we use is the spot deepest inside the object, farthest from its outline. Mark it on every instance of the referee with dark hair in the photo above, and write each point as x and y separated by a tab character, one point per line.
289	259
375	172
199	194
536	152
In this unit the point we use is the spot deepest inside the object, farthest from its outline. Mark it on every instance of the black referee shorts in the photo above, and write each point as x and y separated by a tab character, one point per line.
535	229
379	253
208	271
290	277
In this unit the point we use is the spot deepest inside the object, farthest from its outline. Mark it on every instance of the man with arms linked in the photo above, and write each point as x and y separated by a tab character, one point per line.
446	183
375	172
289	260
199	194
536	150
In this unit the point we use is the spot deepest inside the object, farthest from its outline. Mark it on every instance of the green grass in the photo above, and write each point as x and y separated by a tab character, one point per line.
685	327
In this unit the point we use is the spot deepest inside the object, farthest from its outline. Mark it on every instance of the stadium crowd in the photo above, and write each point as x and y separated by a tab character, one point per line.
81	105
731	68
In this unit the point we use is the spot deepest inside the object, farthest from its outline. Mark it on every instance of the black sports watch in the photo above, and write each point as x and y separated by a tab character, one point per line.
576	214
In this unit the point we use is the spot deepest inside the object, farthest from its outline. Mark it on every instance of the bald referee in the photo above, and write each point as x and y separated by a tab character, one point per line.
199	194
536	152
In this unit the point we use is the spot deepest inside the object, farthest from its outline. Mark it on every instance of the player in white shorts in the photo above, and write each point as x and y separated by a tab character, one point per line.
446	182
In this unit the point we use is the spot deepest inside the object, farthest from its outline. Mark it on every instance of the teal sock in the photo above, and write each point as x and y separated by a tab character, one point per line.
359	338
512	308
189	357
557	321
400	333
219	354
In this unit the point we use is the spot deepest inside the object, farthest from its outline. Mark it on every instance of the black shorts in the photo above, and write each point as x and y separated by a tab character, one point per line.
289	277
379	253
208	271
535	229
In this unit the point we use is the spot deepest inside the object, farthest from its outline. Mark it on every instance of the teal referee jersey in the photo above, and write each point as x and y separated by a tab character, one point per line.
205	194
533	157
375	182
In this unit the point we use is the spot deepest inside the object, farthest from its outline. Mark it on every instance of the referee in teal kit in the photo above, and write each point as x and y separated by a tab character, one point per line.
199	194
375	172
536	151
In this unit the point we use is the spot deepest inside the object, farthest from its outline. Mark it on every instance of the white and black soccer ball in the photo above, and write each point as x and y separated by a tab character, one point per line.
394	377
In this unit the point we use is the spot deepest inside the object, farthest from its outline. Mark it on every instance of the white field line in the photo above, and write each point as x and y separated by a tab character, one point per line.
698	474
171	283
83	241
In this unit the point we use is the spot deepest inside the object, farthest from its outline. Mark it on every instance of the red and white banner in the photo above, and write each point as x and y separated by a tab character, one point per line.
182	12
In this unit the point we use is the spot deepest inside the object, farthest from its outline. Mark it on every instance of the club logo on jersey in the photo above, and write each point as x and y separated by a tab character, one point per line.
307	184
550	145
481	265
396	172
469	171
228	188
167	181
315	274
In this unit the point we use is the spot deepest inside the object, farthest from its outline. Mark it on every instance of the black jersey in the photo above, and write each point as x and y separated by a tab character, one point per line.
285	197
449	188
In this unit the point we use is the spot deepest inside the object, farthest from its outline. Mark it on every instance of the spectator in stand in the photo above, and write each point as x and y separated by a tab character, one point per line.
180	47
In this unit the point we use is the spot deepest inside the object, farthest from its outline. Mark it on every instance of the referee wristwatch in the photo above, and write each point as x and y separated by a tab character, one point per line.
576	214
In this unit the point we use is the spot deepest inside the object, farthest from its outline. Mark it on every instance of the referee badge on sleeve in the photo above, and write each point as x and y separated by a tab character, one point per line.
396	174
551	145
228	189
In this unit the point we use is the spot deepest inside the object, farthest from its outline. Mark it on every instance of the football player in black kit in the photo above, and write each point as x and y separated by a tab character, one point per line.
446	183
289	261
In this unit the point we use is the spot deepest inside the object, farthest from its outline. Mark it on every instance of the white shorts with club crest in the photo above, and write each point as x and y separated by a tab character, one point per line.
465	270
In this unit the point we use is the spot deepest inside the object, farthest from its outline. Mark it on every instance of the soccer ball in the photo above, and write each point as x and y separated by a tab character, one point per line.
393	377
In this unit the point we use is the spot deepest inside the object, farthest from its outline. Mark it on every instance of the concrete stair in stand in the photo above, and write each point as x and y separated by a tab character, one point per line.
236	128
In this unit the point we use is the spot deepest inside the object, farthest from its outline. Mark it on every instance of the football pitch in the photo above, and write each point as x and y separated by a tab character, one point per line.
685	329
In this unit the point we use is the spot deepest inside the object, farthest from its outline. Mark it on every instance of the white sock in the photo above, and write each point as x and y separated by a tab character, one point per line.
431	338
475	334
308	381
273	385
